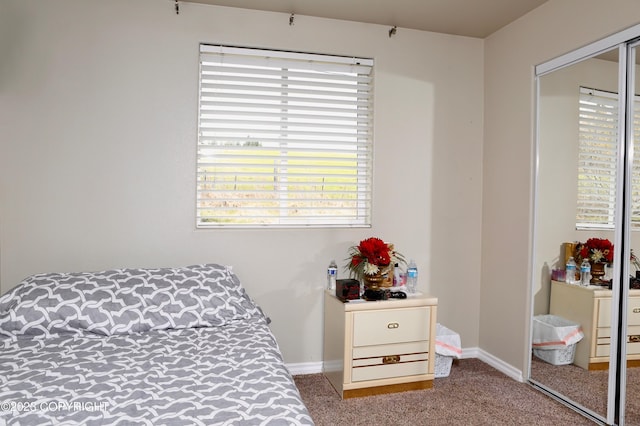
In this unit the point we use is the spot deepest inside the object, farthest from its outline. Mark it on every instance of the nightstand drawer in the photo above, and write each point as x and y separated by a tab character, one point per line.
390	359
603	336
633	312
602	349
385	371
394	349
390	326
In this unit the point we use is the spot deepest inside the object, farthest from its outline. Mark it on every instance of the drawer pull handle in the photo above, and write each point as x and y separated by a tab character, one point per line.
391	359
393	325
634	339
636	310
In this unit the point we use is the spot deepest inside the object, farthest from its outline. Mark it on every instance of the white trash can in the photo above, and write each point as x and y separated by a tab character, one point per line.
555	338
447	347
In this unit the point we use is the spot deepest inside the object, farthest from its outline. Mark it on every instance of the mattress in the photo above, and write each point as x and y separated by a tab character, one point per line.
163	362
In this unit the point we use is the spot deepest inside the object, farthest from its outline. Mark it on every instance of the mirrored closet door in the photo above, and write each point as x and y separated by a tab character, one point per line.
632	340
587	210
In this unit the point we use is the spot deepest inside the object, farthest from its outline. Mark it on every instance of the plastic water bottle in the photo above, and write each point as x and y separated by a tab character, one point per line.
570	274
585	273
332	275
412	277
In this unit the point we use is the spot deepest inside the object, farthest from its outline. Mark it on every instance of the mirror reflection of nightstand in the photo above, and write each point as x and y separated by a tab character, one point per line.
590	306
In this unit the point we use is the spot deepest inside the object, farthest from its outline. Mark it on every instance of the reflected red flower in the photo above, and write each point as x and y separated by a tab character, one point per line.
595	250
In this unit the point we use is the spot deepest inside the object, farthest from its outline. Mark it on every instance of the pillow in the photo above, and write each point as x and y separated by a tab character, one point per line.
125	301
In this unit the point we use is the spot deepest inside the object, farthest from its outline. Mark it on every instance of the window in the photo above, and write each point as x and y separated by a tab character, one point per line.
284	139
598	129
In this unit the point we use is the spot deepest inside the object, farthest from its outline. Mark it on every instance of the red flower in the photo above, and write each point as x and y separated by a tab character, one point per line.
371	256
374	250
595	250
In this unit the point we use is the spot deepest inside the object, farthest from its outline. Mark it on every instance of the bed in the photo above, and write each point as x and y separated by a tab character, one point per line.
164	346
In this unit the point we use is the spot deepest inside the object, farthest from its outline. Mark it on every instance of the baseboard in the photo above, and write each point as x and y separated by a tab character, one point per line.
299	368
469	353
500	365
316	367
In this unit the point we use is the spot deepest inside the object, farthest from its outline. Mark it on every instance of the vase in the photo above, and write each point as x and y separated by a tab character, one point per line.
387	276
373	282
597	273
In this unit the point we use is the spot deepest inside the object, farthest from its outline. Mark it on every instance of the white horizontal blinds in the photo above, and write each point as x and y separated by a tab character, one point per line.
284	139
598	129
635	174
597	161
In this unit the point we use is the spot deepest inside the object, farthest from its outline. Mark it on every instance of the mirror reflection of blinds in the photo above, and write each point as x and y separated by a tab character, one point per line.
285	139
598	129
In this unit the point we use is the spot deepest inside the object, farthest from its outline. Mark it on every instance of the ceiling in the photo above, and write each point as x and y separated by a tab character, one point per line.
472	18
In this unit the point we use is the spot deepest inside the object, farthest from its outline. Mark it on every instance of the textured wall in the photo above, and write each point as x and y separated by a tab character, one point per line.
98	110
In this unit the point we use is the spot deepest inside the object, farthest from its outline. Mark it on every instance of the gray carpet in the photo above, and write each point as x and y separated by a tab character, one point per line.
473	394
588	388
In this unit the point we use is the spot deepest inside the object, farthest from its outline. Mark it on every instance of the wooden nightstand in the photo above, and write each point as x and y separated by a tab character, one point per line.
591	308
379	347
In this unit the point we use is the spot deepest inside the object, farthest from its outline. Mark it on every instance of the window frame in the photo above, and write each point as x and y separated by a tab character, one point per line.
590	126
317	135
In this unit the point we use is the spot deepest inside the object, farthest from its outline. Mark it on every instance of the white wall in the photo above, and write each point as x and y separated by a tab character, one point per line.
554	28
98	105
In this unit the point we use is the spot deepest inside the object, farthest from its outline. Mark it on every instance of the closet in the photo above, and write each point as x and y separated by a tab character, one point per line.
588	186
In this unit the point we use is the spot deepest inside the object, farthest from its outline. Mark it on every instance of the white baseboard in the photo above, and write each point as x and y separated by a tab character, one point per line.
500	365
469	353
316	367
305	368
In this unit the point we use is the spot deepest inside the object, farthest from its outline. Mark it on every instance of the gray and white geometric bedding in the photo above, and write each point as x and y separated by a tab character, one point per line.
170	346
124	301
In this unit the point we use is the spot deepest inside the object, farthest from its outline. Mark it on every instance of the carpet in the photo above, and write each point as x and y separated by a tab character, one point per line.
473	394
588	388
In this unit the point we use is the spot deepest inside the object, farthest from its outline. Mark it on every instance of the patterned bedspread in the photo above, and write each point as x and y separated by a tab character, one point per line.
228	374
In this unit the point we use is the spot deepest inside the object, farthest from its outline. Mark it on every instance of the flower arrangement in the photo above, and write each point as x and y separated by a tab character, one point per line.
595	250
372	256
